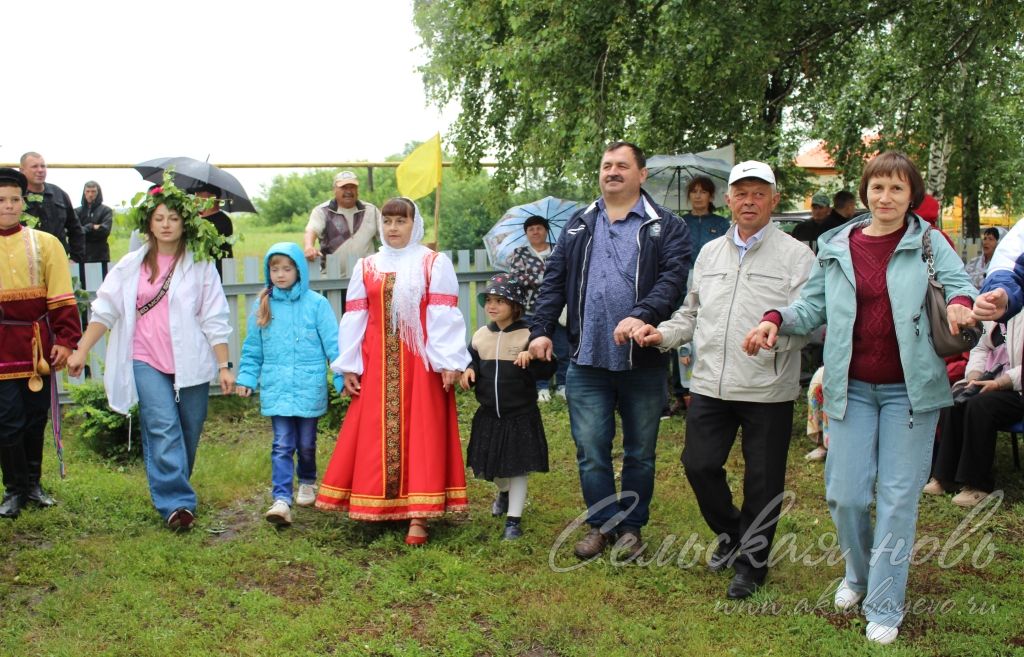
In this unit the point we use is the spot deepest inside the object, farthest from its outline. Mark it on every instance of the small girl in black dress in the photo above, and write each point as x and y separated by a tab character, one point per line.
507	440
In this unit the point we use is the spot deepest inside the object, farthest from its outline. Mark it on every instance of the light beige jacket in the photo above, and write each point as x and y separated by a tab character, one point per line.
726	300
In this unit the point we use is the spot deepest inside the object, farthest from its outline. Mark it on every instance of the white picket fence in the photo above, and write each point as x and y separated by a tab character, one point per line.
471	268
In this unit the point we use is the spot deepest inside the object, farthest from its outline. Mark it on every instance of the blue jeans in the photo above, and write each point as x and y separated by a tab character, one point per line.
594	394
563	352
291	435
170	436
880	445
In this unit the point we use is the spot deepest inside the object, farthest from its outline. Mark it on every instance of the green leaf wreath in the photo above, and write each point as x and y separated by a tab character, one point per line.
201	237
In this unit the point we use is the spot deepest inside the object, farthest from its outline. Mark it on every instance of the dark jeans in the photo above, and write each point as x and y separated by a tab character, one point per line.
967	447
711	426
594	394
23	417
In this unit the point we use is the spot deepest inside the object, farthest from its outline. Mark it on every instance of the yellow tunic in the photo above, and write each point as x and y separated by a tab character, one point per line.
36	299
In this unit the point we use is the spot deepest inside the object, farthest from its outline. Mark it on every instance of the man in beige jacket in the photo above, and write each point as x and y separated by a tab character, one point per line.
737	277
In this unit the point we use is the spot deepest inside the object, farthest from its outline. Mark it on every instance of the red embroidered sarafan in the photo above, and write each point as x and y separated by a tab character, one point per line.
398	454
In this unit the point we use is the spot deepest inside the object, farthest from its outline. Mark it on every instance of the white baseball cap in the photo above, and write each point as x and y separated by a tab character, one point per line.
346	178
752	169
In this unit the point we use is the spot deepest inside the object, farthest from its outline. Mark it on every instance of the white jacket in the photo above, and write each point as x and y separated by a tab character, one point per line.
198	315
1014	337
726	300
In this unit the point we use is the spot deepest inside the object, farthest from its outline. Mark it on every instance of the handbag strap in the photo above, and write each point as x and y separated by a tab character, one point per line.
149	305
927	255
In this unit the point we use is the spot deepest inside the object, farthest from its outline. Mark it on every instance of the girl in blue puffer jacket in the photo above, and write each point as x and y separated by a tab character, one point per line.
292	337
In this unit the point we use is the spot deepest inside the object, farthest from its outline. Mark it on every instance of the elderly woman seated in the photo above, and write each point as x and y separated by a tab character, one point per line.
987	399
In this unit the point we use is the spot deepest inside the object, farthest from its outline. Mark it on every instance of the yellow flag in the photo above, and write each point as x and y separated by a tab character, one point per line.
420	173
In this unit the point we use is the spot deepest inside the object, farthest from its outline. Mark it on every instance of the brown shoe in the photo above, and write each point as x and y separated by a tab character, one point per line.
628	546
592	544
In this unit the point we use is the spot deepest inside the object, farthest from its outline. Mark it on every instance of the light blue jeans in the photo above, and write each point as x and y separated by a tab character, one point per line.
594	394
881	450
170	436
292	435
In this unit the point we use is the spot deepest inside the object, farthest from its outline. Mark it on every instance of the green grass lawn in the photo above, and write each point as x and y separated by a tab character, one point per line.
99	575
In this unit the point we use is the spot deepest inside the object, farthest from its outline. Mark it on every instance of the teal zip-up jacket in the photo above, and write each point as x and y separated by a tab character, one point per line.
829	297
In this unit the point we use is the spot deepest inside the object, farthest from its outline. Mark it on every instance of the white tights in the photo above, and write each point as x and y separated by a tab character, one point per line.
516	487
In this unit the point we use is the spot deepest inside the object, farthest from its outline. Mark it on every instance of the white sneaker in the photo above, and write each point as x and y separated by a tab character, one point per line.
817	454
543	395
279	513
933	487
969	497
560	391
881	633
306	496
846	598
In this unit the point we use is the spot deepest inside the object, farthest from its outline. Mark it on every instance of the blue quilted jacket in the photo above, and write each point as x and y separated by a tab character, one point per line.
287	360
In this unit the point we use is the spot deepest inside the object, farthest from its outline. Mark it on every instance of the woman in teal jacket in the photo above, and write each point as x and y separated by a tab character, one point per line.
884	383
292	337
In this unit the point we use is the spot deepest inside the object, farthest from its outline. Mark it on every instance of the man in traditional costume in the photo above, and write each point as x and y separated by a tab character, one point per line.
39	327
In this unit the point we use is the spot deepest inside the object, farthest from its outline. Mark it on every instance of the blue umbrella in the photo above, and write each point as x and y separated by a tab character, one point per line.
507	235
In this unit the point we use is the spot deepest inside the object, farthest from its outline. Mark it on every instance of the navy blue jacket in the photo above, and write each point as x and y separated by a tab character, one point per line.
663	263
1013	282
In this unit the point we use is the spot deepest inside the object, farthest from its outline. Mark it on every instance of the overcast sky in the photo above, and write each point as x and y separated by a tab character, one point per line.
113	81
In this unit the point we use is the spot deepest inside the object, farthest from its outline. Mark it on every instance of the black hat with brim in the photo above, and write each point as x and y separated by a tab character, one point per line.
505	286
13	176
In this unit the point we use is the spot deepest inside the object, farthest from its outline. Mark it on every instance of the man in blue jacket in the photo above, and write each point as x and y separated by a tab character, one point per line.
619	264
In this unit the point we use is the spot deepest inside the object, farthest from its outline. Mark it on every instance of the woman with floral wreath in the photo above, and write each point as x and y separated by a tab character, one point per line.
169	325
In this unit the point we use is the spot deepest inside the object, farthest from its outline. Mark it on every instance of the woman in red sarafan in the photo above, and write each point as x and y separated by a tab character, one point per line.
402	346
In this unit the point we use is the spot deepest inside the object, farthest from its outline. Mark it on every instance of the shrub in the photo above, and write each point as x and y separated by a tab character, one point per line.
337	406
102	430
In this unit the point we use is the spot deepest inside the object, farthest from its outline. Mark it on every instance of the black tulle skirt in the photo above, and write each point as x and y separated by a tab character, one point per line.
507	446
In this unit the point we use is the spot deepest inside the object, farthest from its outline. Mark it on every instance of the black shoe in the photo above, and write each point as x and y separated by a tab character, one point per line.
742	586
628	546
512	532
722	558
36	495
500	505
12	505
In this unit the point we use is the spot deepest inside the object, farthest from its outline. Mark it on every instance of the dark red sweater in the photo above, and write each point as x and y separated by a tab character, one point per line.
876	353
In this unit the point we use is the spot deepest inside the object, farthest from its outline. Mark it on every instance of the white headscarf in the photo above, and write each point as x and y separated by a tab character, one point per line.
410	283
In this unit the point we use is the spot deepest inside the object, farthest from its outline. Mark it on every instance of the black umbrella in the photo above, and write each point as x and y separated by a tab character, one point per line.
190	173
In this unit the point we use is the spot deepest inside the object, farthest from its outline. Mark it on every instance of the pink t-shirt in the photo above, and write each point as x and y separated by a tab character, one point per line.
152	342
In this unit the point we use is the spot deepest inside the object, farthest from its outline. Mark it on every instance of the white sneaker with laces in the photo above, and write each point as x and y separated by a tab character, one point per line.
306	496
560	391
846	598
882	634
279	513
543	395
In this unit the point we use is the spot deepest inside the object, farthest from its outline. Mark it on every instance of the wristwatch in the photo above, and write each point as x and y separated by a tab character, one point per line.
226	366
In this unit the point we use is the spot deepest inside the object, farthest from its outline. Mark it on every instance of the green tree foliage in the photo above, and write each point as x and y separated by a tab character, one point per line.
290	198
942	72
545	84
